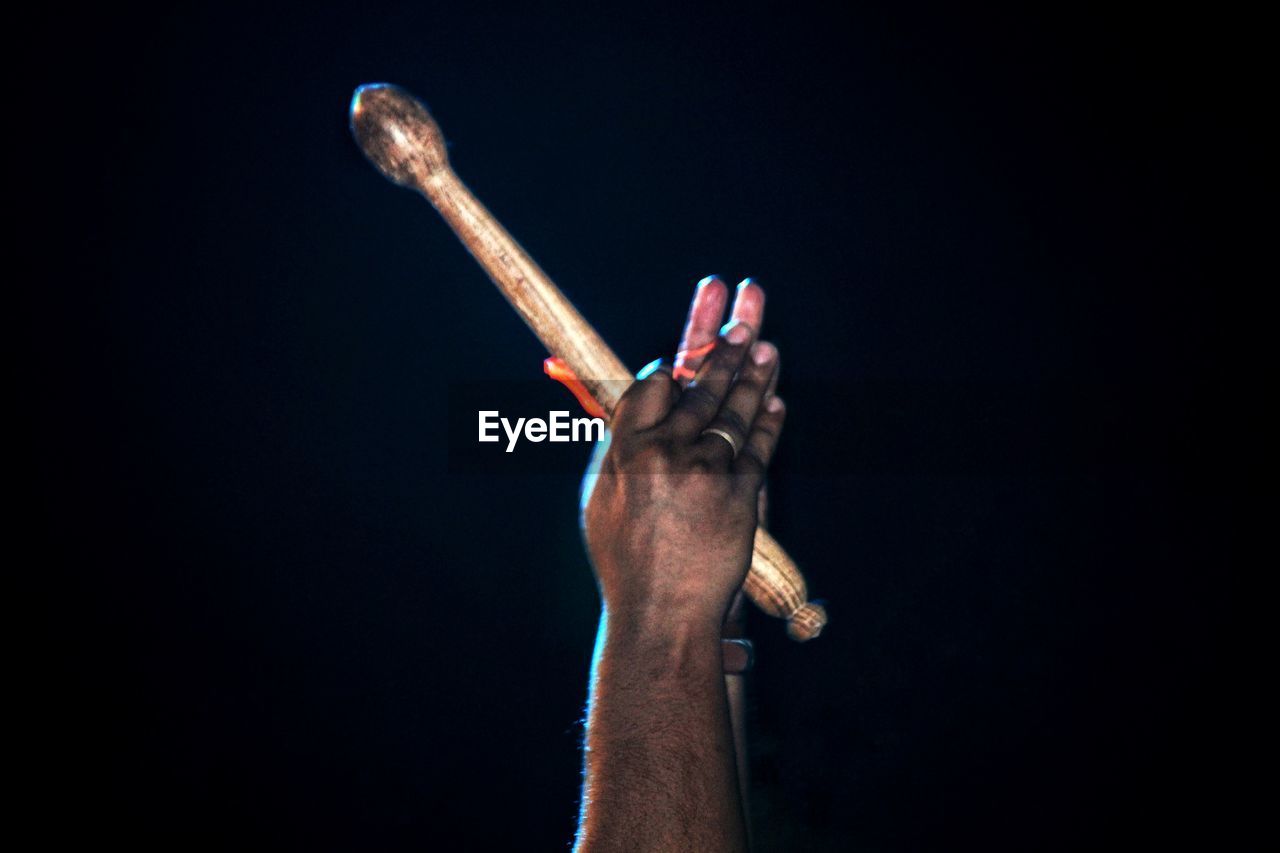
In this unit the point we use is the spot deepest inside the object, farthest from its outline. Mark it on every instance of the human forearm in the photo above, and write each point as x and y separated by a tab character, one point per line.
660	761
669	514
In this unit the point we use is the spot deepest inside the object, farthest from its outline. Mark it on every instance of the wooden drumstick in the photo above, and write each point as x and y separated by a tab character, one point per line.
400	138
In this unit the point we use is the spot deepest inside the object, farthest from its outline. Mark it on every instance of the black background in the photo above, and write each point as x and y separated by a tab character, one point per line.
289	620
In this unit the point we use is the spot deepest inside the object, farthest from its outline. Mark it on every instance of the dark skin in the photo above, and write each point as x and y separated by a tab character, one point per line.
669	514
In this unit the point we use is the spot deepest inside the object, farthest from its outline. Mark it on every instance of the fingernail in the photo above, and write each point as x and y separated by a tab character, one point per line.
747	281
762	352
707	281
774	404
736	332
649	369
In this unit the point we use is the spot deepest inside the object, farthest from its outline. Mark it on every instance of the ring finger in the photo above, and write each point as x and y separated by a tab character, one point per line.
726	435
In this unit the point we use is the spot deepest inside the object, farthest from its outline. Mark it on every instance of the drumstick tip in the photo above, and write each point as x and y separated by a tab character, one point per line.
397	134
807	621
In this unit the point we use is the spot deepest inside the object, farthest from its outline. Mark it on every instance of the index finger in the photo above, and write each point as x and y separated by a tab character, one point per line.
705	313
704	319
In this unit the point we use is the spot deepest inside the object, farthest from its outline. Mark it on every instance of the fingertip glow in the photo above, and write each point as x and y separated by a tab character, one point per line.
649	369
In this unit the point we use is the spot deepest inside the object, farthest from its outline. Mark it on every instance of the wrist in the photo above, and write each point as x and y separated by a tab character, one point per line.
675	639
665	601
652	616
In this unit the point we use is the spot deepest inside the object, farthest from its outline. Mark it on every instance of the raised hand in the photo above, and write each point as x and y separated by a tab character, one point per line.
670	509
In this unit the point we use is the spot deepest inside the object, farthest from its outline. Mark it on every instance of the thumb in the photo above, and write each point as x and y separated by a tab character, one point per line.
647	401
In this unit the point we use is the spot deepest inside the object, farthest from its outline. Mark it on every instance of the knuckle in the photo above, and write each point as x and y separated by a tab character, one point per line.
751	462
700	397
709	450
769	432
651	453
733	421
635	389
701	465
725	357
